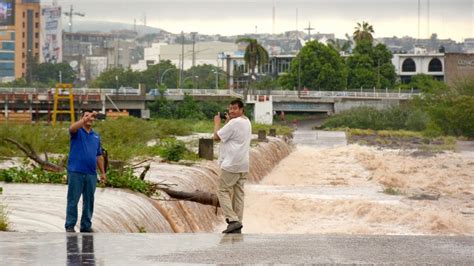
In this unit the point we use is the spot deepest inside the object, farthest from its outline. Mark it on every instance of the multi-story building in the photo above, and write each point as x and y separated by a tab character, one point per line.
419	62
19	37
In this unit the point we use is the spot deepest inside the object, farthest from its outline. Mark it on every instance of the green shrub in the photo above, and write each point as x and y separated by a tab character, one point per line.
34	175
173	149
126	179
3	218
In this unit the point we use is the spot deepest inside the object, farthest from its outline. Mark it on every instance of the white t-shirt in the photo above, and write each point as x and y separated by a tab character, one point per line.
235	145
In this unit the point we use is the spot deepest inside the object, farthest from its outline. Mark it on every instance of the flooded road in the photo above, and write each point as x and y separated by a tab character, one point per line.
326	186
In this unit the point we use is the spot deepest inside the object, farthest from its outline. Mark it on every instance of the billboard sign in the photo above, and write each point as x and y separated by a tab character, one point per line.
51	35
7	12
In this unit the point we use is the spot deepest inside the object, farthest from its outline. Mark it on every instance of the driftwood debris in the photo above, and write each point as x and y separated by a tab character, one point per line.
30	152
201	197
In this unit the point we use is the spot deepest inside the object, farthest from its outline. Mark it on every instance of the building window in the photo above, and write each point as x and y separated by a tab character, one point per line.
409	65
23	34
24	25
37	25
435	65
36	45
36	15
37	35
24	14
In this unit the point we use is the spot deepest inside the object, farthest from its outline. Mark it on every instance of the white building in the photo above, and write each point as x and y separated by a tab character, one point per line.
420	62
203	53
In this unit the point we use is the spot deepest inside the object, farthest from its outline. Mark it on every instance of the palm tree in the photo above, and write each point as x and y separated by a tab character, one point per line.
363	32
255	55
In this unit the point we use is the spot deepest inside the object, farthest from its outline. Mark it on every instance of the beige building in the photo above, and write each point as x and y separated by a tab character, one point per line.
458	66
19	37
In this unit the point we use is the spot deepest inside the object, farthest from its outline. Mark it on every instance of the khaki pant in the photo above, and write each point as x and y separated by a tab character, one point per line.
232	183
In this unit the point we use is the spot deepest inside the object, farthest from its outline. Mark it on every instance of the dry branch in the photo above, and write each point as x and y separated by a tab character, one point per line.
30	153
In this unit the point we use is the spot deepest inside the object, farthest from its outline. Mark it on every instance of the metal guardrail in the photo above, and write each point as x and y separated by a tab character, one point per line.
213	92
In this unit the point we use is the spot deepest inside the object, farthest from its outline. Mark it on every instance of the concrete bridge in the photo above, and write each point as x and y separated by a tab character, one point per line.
40	101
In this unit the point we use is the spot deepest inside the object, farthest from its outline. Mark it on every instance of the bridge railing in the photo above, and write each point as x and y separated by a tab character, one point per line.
339	94
214	92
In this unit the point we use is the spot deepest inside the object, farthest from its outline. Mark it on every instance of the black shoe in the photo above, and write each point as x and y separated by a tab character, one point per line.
238	231
236	225
70	230
87	230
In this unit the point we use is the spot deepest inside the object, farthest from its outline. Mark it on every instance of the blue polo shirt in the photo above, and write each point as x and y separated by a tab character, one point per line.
85	147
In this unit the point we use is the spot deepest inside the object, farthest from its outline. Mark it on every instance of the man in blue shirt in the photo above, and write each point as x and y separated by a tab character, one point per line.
85	155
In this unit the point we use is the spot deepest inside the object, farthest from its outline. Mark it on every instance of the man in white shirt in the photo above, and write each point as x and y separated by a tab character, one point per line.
234	151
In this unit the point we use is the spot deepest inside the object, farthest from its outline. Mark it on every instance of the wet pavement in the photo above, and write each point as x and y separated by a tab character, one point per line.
175	249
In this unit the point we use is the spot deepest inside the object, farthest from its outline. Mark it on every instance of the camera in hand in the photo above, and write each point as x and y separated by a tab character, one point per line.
222	114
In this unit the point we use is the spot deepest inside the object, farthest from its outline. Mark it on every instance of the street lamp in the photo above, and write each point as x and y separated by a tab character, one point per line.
163	75
116	85
189	78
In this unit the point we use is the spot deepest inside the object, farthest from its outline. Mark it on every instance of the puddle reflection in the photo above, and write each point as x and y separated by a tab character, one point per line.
232	238
83	256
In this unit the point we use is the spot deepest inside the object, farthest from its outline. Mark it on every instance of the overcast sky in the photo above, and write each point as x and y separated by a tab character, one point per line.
448	18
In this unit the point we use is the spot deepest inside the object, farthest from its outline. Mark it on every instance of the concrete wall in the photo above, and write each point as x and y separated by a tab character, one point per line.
263	108
344	105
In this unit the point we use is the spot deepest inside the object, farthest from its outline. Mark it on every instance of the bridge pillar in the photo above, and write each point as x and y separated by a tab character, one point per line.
262	135
272	132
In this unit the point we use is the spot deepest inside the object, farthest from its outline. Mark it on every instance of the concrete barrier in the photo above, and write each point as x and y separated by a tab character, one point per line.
16	118
116	115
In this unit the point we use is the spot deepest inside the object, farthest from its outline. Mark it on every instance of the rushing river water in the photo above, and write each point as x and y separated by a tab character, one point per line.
327	186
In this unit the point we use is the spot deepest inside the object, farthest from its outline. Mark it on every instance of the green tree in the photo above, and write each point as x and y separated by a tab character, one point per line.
206	77
48	73
255	55
363	32
117	77
152	76
318	67
370	66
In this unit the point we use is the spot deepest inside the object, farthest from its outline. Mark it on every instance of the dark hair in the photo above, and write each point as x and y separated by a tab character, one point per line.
86	111
237	102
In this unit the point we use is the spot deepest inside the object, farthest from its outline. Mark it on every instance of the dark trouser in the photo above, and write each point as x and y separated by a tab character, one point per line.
78	184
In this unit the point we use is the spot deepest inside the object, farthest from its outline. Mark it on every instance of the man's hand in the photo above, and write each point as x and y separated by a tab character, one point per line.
103	178
88	116
217	119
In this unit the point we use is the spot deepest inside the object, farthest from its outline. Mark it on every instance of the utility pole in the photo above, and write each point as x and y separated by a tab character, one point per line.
182	61
70	14
309	30
194	59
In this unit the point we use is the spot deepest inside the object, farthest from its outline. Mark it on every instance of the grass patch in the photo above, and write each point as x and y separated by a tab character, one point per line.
3	215
3	218
280	129
400	138
392	191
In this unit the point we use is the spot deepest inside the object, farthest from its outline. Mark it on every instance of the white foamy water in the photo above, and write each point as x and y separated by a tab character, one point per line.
339	189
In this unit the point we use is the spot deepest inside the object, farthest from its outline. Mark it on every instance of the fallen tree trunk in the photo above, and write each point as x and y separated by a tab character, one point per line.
201	197
30	153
